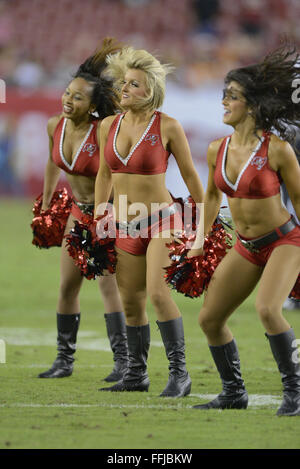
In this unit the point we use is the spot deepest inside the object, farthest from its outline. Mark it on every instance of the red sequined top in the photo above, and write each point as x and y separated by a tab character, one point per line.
148	156
257	180
86	160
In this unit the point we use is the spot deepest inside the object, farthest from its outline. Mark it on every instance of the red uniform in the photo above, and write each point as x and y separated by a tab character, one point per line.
257	180
85	162
148	157
261	257
166	219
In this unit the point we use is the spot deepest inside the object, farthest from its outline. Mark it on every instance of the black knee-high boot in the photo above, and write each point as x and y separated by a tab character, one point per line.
179	383
116	332
234	394
285	352
67	328
135	377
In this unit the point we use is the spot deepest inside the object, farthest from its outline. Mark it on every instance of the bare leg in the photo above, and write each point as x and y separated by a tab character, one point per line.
68	316
70	279
110	293
131	278
157	289
169	318
232	282
278	279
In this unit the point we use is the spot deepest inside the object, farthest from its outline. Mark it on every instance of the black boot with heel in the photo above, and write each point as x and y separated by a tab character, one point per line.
135	377
67	328
234	394
285	352
116	332
179	383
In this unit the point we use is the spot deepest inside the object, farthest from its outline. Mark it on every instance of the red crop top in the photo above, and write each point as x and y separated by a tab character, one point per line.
86	160
257	180
148	156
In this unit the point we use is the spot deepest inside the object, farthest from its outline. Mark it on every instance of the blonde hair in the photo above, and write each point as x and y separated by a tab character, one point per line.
130	58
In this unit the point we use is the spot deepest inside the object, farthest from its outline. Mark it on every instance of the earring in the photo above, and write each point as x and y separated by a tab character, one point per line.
93	113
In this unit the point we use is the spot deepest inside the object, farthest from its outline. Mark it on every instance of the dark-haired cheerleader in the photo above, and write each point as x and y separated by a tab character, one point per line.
74	148
248	166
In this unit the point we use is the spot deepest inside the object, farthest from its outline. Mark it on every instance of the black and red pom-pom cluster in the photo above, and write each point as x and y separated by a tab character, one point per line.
91	254
191	276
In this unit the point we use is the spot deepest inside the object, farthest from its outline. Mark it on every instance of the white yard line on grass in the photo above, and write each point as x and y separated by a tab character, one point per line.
200	368
87	340
255	400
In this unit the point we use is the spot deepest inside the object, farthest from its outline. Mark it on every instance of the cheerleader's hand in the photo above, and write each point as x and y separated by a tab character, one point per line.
177	237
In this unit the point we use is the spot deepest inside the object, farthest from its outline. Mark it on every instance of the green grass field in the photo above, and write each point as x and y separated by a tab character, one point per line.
72	413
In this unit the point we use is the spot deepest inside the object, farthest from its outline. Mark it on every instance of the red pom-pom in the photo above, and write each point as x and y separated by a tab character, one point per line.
191	276
48	226
91	254
295	293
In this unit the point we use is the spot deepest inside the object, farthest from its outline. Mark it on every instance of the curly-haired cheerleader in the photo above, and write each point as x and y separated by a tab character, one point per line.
74	148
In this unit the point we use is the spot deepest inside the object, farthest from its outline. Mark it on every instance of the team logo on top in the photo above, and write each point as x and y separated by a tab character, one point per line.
90	148
259	161
152	138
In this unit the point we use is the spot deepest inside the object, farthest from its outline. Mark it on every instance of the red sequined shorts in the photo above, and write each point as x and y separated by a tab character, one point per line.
135	239
261	257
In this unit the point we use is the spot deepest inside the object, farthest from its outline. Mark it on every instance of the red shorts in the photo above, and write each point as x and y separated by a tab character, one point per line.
261	257
138	245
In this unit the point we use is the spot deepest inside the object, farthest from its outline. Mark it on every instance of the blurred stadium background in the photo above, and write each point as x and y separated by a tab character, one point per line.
41	44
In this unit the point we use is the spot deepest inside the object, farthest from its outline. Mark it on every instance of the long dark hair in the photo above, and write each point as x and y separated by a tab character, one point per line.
104	95
268	88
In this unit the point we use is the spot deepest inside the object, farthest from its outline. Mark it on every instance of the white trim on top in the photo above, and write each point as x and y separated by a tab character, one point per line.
125	160
72	165
235	185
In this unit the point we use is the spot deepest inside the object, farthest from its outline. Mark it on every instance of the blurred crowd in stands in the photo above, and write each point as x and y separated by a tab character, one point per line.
41	42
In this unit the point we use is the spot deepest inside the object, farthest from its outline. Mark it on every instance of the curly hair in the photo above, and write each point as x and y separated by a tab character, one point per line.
104	95
268	88
156	72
